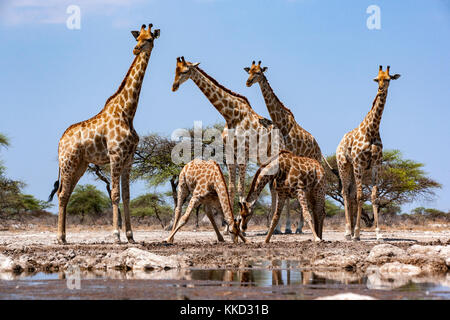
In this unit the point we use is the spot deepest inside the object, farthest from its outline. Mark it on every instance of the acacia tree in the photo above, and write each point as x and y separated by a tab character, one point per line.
401	181
150	204
87	200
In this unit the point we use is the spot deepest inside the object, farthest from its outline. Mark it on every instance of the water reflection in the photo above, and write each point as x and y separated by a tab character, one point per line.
274	273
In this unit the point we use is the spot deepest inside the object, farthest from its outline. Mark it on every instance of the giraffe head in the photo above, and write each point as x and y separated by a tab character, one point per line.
383	78
246	212
236	231
182	72
144	38
255	73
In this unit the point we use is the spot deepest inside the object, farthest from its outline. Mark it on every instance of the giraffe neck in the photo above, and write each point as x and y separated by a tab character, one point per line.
373	118
230	105
281	116
125	100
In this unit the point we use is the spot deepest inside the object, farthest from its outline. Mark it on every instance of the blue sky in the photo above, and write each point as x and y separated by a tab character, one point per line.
321	58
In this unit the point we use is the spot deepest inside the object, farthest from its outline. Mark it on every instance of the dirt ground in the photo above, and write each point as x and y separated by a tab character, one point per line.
89	247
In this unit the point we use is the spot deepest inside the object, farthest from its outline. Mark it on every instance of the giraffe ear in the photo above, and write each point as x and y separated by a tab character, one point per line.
375	79
135	34
156	34
194	64
264	69
247	69
395	76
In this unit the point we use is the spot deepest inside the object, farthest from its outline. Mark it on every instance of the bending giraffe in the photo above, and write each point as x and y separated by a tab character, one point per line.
360	153
108	137
292	177
241	121
205	181
296	139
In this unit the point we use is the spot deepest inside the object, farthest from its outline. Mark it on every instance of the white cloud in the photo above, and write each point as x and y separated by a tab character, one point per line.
19	12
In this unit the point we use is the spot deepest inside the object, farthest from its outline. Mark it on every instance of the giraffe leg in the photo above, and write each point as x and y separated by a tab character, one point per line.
287	229
346	173
116	171
182	194
375	201
209	214
125	184
303	199
319	209
232	190
193	203
68	183
301	222
273	208
359	201
276	217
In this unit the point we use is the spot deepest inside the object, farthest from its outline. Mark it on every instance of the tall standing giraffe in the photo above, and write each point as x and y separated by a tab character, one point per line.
239	117
359	153
296	139
108	137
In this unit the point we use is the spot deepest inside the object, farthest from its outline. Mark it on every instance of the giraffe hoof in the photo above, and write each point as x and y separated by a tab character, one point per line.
348	237
276	231
167	243
131	240
356	238
298	231
287	231
62	241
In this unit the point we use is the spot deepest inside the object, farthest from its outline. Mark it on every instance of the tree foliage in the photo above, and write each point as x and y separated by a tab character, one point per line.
150	204
87	200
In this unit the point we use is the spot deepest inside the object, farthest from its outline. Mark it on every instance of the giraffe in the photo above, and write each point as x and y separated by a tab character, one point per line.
108	137
293	177
205	181
241	120
360	153
296	139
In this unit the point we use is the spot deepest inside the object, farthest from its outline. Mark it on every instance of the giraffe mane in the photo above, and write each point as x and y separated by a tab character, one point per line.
279	101
122	85
214	81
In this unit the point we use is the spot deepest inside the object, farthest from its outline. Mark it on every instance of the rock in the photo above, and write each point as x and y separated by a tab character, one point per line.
384	253
135	258
397	268
338	261
6	263
347	296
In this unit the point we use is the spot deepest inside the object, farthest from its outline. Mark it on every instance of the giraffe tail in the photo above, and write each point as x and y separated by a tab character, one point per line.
335	171
55	188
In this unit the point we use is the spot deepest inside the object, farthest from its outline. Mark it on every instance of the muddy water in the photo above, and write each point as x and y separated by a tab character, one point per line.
268	280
